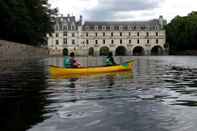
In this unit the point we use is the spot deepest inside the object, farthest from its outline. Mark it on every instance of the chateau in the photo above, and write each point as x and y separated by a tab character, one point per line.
97	38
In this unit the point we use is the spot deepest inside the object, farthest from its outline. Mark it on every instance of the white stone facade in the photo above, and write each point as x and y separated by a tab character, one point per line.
98	38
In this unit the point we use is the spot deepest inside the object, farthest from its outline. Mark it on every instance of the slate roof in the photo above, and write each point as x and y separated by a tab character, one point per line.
137	25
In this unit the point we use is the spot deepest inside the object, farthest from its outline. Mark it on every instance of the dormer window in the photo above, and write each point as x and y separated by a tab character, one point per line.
103	27
96	27
65	27
120	27
129	27
111	27
87	27
56	27
72	28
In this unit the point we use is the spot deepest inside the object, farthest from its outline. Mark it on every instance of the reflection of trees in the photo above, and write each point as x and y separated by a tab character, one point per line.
21	98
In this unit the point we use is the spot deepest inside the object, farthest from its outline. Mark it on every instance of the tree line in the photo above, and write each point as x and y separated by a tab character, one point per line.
26	21
181	33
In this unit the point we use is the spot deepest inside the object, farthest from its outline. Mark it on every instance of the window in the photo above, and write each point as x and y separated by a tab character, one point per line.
57	42
116	27
129	41
103	27
138	34
65	27
103	33
147	34
108	28
65	33
57	35
112	41
112	34
157	41
96	34
120	41
73	34
148	41
86	33
87	42
65	41
129	33
138	41
156	33
120	33
96	27
72	27
103	41
73	42
96	41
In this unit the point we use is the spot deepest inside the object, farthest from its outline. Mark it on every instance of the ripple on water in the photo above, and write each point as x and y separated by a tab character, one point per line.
78	110
160	94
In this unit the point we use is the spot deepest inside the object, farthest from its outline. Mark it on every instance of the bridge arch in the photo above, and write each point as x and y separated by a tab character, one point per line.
65	52
91	51
157	50
121	51
104	51
138	51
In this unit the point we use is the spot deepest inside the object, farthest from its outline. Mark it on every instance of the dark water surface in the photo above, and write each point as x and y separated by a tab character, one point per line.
159	95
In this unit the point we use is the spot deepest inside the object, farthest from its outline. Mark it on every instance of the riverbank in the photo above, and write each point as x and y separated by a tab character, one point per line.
186	52
12	50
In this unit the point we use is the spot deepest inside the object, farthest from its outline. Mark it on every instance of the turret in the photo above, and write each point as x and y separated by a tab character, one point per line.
162	22
80	19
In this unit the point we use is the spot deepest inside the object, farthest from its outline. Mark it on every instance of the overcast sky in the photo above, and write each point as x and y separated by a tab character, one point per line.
125	9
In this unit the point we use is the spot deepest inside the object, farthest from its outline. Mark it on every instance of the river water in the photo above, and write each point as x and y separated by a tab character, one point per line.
159	95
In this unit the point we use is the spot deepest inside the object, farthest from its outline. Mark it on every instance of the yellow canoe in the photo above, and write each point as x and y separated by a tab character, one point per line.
59	71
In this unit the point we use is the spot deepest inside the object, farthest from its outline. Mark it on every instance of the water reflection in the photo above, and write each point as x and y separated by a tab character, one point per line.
160	94
21	97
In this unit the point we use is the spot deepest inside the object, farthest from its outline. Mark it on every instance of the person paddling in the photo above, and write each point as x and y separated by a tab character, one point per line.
109	61
71	62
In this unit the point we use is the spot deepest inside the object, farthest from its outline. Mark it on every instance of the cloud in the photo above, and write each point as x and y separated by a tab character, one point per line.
125	9
111	9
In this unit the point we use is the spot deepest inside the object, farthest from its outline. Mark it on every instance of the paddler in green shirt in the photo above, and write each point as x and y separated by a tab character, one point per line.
71	62
109	61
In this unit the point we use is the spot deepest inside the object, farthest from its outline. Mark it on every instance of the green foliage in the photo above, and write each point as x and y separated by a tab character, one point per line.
26	21
182	33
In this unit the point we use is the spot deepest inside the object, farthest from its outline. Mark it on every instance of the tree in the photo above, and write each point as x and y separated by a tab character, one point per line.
182	33
26	21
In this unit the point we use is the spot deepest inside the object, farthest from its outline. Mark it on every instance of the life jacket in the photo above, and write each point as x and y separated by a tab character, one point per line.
67	63
108	61
71	63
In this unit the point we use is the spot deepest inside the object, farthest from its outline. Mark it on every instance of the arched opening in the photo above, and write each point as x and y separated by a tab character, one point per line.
121	51
104	51
157	50
65	52
137	51
91	51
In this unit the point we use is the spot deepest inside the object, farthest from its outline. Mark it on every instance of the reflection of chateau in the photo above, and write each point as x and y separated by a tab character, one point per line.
99	37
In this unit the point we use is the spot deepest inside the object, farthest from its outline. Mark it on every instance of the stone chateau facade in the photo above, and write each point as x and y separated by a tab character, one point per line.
97	38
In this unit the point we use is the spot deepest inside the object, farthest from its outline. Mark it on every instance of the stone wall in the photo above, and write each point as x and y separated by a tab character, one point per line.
13	50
